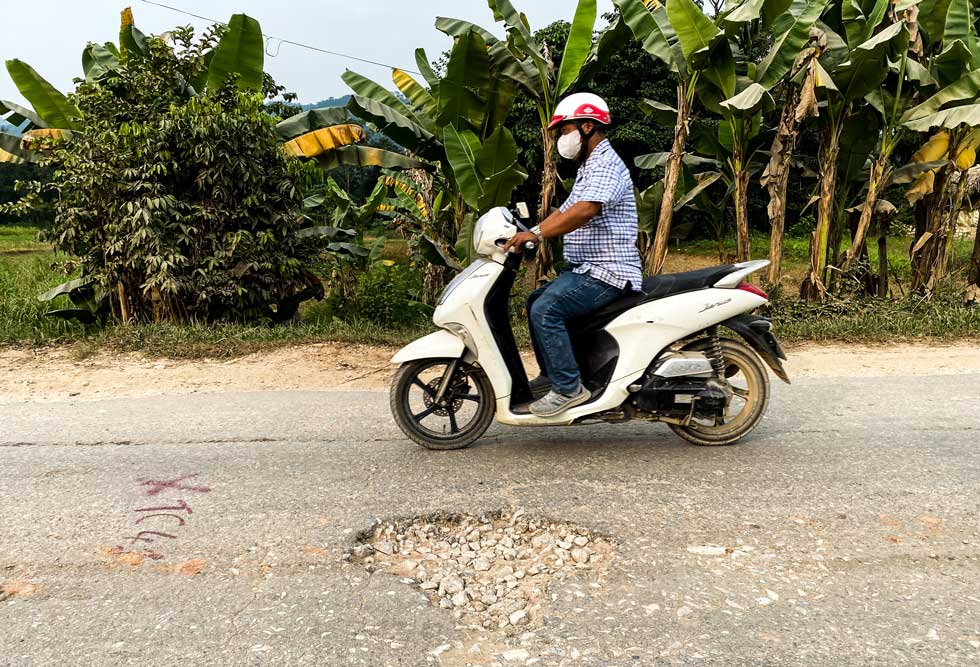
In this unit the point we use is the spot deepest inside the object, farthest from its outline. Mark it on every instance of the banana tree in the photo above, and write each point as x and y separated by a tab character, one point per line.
454	125
528	63
848	71
652	27
953	113
789	67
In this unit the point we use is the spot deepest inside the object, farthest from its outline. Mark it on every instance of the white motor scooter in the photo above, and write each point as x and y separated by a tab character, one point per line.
656	355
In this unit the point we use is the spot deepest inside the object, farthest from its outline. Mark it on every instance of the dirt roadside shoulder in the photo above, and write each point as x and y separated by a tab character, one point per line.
55	374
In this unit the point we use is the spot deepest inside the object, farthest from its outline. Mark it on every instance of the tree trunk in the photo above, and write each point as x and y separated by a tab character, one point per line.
549	177
776	179
880	172
929	246
882	260
945	256
814	286
973	279
741	178
123	302
658	251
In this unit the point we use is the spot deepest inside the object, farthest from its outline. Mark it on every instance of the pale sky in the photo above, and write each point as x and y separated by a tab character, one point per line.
50	35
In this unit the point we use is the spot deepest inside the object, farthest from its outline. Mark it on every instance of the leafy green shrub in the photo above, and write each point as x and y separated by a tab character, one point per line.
385	294
181	206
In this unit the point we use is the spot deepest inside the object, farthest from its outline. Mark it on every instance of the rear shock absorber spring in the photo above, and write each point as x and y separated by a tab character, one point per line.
715	354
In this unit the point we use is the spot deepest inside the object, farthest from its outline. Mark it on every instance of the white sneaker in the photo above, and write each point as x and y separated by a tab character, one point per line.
554	403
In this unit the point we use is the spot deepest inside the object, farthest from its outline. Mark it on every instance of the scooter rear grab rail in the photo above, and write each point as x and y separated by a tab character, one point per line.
745	269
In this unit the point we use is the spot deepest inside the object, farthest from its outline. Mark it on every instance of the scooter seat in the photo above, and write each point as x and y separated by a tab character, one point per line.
654	287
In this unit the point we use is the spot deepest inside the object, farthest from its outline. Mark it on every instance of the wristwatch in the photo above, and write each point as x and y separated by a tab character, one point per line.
536	230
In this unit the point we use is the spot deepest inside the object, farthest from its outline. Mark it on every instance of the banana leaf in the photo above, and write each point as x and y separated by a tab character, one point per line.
664	114
747	10
654	160
867	66
861	18
425	106
654	32
64	289
968	115
241	52
960	27
98	59
467	72
498	189
403	130
318	142
11	151
16	115
952	62
464	241
909	172
966	88
48	103
610	40
462	160
932	21
422	62
82	315
311	120
579	45
133	42
754	98
520	31
695	31
324	232
367	156
704	181
365	87
791	33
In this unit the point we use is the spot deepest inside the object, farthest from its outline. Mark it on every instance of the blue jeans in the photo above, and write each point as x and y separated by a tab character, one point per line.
549	307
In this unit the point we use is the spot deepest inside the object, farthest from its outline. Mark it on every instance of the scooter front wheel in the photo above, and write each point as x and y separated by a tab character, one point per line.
455	420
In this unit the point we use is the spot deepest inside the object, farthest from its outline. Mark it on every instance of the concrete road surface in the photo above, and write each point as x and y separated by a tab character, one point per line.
854	510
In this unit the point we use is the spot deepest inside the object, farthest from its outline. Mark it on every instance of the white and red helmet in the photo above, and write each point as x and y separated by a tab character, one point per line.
581	106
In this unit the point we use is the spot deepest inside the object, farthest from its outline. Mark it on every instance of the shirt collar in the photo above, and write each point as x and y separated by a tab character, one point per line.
600	149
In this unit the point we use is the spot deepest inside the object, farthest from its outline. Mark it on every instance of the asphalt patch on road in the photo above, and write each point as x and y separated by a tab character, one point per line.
491	572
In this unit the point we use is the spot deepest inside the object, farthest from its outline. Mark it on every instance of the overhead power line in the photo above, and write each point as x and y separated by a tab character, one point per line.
282	40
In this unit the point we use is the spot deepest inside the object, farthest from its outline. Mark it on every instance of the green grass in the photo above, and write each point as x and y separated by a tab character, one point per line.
25	272
943	318
15	239
796	252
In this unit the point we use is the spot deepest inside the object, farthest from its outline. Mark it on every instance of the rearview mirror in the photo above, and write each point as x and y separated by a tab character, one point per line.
523	211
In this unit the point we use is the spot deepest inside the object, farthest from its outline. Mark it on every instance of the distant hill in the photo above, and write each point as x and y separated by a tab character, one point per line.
329	102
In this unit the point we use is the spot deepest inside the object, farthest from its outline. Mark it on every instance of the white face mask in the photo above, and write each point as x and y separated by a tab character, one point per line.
570	145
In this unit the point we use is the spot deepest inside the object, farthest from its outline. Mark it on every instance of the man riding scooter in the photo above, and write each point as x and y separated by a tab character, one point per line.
599	225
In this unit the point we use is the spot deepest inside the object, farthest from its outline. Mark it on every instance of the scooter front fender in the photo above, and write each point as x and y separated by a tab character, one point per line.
437	345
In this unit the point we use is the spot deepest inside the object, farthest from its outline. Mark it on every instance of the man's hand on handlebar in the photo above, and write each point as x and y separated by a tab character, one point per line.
518	241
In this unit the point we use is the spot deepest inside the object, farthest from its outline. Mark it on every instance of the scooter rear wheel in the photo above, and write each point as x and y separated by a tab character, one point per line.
459	420
749	381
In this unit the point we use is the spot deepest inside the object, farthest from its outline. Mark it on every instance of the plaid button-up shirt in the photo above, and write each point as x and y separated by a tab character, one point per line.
605	247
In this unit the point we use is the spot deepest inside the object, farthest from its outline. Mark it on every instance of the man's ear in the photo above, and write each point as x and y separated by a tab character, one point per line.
588	127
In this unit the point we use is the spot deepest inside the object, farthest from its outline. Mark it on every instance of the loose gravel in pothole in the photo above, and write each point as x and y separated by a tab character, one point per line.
492	571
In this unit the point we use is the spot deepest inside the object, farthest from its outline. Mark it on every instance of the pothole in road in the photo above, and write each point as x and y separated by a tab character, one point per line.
492	571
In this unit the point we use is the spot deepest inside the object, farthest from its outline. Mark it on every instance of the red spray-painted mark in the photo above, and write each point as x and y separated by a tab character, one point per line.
139	536
150	516
182	506
175	484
